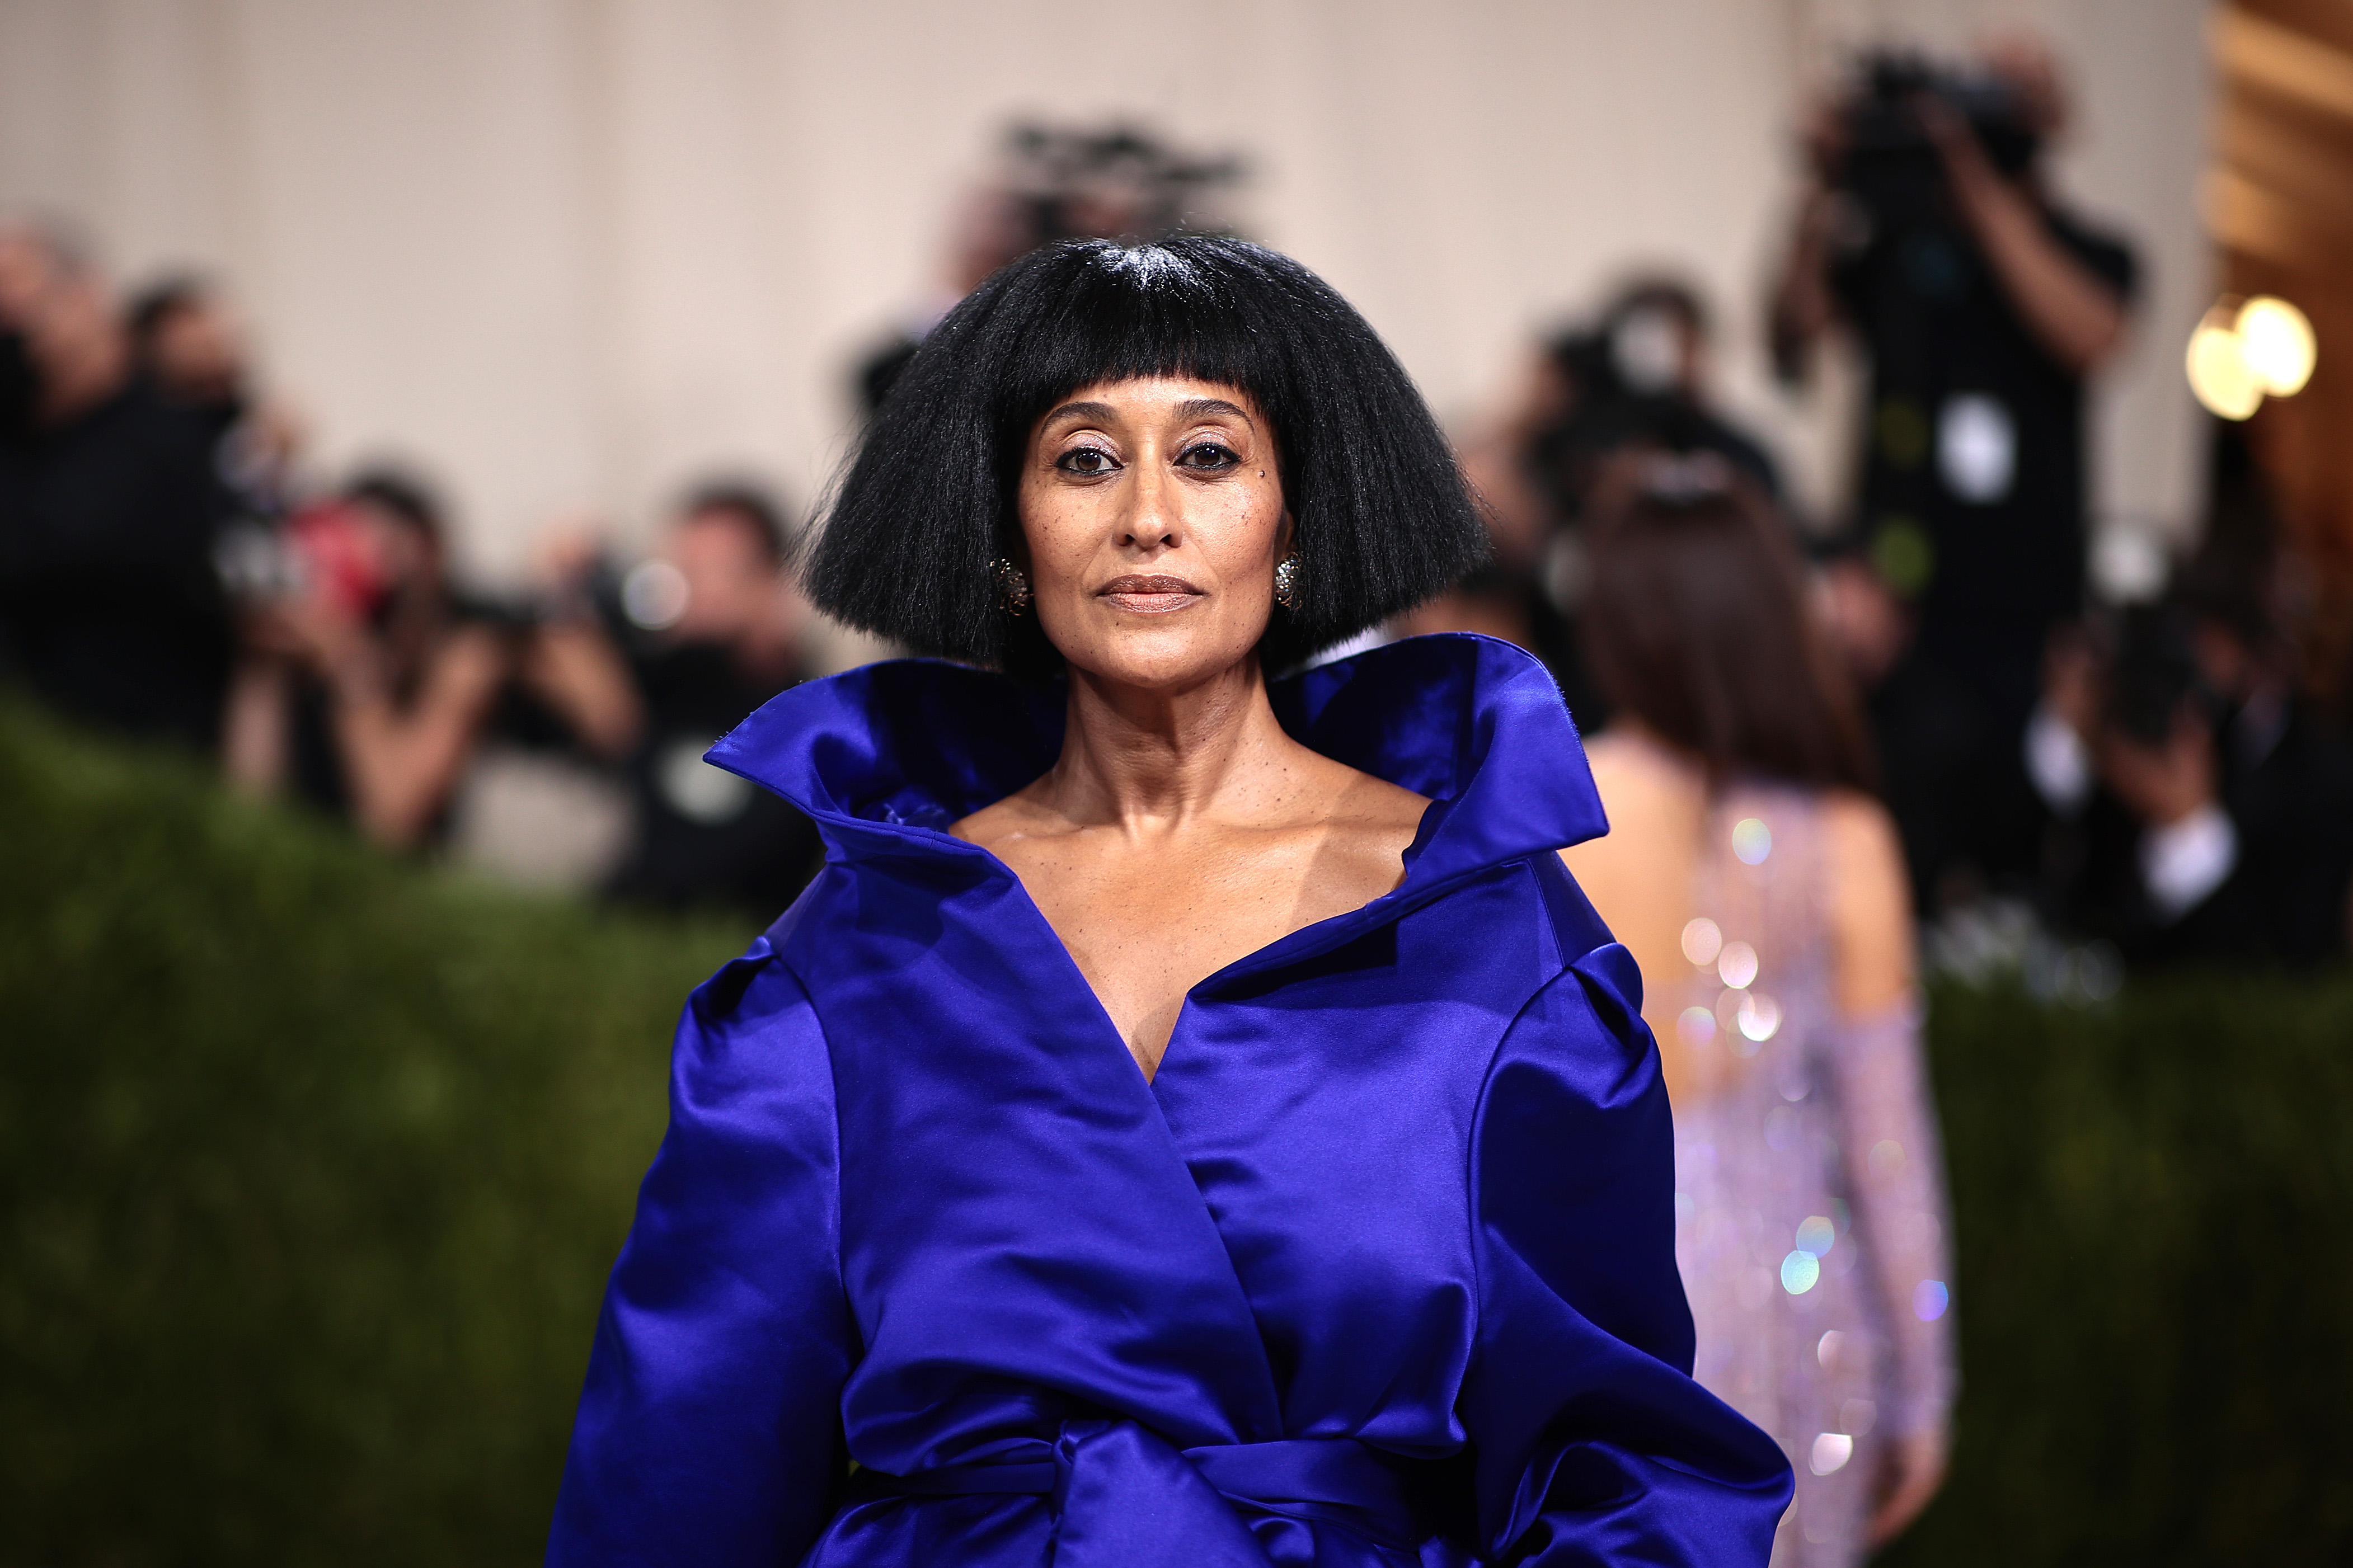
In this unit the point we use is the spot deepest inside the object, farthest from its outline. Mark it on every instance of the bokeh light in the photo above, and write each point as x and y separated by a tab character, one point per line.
1801	1270
2240	350
1751	841
1817	1234
1697	1027
1736	964
1831	1451
2219	377
653	596
1929	1299
2277	344
1761	1018
1703	939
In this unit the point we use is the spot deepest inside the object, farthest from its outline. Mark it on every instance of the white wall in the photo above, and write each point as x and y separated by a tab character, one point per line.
566	252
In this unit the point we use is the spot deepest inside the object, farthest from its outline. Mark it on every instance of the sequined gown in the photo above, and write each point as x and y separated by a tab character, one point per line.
1812	1220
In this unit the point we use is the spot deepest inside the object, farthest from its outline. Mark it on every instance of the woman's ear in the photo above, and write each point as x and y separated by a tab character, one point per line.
1013	543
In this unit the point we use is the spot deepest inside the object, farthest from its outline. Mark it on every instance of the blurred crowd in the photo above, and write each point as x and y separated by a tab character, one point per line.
2157	778
167	572
171	570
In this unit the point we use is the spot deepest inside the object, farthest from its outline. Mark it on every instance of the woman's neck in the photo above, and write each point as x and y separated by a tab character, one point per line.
1152	760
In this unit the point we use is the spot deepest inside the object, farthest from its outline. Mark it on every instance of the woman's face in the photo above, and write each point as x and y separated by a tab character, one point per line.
1152	515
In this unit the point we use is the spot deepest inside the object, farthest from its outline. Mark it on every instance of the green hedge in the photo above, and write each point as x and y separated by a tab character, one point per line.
314	1164
311	1164
2154	1216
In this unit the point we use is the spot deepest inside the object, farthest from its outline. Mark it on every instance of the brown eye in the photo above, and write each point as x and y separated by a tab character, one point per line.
1207	456
1087	462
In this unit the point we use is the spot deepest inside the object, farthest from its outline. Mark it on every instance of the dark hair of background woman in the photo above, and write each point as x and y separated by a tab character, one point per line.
1697	625
1384	519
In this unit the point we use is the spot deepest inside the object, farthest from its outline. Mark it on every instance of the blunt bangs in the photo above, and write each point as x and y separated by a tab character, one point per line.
1384	519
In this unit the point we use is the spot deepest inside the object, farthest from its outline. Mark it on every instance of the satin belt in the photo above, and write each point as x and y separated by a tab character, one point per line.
1124	1498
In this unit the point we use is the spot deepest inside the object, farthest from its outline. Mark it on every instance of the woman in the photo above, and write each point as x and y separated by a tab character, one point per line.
1762	893
1191	1120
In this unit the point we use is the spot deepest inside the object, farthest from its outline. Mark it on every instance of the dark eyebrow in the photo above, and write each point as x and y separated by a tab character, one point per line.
1190	409
1098	413
1208	408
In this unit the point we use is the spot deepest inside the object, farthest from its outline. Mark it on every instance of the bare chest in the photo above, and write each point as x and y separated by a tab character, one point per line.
1144	927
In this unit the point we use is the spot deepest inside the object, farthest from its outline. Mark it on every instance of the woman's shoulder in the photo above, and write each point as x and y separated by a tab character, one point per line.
1024	814
1653	797
1364	804
1631	769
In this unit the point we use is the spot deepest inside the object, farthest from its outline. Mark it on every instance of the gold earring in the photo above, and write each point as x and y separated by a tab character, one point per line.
1012	585
1286	581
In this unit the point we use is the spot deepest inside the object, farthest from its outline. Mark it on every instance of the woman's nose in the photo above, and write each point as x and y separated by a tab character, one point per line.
1152	522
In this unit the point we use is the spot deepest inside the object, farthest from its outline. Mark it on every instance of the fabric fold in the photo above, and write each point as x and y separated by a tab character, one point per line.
1117	1489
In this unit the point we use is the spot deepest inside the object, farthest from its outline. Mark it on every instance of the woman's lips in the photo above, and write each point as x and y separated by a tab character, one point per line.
1149	595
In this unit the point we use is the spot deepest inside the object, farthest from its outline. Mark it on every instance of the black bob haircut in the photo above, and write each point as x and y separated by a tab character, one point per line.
1383	518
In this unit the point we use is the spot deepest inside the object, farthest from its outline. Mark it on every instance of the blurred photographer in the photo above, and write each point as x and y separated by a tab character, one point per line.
111	607
188	350
648	672
1983	306
2199	802
1634	377
1053	183
368	679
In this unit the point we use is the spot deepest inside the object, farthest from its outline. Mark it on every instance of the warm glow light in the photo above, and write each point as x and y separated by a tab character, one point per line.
2220	376
2275	340
2242	351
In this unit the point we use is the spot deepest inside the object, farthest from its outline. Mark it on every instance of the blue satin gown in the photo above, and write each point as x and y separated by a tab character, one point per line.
1378	1269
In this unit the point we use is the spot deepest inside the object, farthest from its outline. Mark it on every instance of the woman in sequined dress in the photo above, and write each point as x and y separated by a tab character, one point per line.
1761	889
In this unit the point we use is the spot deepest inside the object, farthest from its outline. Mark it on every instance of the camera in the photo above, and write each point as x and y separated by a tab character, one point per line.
1889	163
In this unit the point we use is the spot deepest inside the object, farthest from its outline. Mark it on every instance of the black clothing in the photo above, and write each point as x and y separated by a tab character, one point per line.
2291	799
1971	502
2287	785
110	605
317	771
1951	738
1953	372
701	836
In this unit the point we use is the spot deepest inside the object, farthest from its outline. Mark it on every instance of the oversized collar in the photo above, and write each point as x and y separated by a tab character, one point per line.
887	756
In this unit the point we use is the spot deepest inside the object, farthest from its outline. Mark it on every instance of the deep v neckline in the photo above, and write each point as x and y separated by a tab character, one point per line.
887	756
1301	939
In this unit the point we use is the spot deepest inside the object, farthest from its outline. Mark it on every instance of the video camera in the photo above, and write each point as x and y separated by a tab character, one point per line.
1890	164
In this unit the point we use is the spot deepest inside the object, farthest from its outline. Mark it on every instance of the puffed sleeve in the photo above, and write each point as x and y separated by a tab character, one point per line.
708	1430
1593	1445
